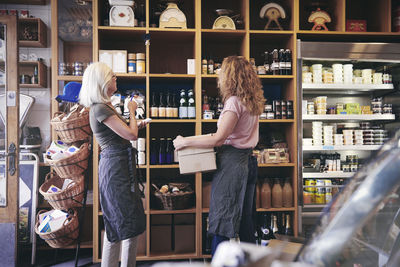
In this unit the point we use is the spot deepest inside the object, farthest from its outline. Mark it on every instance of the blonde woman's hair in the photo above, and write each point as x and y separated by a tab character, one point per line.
95	82
238	78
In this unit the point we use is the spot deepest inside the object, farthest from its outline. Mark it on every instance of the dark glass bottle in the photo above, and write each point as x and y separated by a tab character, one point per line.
265	233
162	107
191	105
288	227
220	107
154	150
266	62
154	106
175	108
206	104
208	238
274	223
183	105
169	111
162	154
275	62
288	61
282	62
169	151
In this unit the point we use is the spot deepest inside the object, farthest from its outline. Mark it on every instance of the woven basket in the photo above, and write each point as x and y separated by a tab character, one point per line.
72	130
177	200
66	235
72	166
70	197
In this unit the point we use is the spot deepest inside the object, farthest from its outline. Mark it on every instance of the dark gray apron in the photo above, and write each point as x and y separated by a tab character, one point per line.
228	190
122	207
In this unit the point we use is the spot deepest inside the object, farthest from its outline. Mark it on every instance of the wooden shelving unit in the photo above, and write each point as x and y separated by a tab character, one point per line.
166	64
33	23
27	67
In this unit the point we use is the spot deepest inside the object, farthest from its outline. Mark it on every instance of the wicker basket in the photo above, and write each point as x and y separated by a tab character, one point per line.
70	197
177	200
66	235
72	166
72	130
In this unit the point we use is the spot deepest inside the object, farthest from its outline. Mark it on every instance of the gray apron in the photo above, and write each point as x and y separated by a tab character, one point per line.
228	190
122	207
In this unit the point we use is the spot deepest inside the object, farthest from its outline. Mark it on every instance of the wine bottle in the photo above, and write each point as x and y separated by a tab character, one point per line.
191	105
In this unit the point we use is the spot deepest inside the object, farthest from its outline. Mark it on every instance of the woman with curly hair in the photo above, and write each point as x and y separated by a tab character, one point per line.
233	186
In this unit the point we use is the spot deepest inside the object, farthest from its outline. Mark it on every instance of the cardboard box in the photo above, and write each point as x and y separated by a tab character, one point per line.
160	239
141	245
184	239
193	160
206	194
191	66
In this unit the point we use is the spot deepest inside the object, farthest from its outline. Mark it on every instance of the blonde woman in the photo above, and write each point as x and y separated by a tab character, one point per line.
233	184
122	208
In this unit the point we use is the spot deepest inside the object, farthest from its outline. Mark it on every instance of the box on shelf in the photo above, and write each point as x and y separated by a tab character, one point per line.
184	238
161	238
191	66
356	25
115	59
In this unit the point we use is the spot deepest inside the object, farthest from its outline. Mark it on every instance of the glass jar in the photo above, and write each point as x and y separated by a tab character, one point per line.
140	63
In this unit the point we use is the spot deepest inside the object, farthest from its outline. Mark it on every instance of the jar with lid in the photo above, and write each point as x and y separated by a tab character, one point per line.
204	66
131	63
140	63
387	109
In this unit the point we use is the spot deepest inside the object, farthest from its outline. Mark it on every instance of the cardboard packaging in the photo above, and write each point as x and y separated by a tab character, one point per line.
184	238
193	159
141	244
160	239
206	194
191	66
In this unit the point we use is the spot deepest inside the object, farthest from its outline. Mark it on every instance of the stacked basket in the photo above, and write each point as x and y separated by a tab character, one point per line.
73	130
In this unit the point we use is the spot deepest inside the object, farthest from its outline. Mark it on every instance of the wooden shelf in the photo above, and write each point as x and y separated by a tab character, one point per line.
35	23
69	78
277	121
169	166
172	120
264	165
168	75
171	256
173	211
275	209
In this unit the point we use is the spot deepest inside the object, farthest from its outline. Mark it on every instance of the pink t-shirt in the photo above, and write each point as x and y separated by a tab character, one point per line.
245	133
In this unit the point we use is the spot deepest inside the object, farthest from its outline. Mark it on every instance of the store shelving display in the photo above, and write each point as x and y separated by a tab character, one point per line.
349	117
346	120
166	69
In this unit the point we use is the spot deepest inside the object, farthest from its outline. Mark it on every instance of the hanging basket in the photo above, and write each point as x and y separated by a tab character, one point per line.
66	235
72	130
72	166
70	197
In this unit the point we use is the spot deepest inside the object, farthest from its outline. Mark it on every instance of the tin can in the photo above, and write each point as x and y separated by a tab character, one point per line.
320	196
309	192
320	191
328	190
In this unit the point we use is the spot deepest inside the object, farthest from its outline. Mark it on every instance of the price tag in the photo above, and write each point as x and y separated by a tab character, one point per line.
327	147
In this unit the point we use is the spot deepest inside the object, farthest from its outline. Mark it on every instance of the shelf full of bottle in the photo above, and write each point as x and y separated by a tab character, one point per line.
268	226
275	62
331	165
164	105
